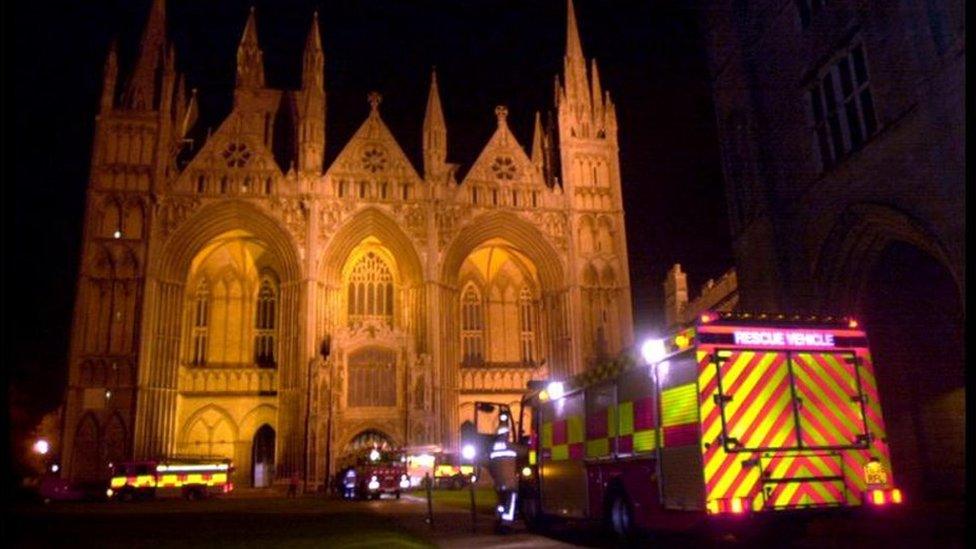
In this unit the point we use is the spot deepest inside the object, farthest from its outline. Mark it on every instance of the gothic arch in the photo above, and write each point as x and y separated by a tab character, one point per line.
515	230
213	220
115	440
371	223
111	217
198	415
85	461
262	414
133	219
854	245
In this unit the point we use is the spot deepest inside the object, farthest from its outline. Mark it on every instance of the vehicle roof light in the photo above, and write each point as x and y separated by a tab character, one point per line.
852	323
556	390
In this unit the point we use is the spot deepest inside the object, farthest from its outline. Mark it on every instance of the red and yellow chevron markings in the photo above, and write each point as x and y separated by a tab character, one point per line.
763	437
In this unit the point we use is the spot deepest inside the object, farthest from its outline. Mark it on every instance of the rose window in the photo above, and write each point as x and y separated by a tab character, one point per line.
236	155
503	168
374	159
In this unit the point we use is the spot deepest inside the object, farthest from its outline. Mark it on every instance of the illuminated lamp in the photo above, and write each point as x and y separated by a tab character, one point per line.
877	497
555	390
374	455
706	318
736	506
852	324
896	496
653	350
41	447
526	472
117	234
681	341
468	452
543	395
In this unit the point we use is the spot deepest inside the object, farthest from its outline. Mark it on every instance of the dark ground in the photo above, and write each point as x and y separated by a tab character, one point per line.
256	520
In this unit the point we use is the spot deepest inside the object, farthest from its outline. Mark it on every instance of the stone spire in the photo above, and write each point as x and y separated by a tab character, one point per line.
311	140
596	95
435	132
141	93
250	63
538	155
574	64
313	61
109	76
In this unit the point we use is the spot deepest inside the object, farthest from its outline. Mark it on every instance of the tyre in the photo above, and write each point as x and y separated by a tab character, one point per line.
532	514
398	494
620	516
194	494
457	483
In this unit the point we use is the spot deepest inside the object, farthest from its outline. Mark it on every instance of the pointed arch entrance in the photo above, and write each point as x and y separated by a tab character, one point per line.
263	457
367	439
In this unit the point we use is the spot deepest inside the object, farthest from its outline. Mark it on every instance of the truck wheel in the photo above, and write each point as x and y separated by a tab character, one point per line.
398	494
532	514
620	516
194	495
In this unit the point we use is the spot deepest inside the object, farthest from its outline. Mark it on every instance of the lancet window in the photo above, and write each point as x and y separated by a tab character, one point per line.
472	327
265	327
370	292
201	324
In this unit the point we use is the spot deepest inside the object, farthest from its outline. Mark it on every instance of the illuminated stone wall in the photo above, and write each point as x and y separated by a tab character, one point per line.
230	281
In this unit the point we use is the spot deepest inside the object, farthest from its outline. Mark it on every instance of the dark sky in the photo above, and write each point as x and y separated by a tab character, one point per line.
487	52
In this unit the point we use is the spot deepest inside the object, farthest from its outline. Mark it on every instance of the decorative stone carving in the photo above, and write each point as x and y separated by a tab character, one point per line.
173	211
294	213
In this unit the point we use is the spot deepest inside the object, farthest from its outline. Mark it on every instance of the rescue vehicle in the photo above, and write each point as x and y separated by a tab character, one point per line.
191	478
372	473
737	416
444	468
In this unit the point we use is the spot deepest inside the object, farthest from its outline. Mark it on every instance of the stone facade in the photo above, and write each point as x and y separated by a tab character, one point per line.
679	310
842	125
234	288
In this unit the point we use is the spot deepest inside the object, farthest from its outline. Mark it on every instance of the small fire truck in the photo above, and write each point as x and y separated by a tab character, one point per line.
370	474
737	416
190	478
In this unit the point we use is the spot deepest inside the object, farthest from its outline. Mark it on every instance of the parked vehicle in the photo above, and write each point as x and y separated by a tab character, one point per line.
189	478
736	417
372	473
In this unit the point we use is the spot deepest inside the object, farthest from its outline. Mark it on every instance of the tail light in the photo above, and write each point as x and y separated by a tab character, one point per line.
877	497
896	496
736	506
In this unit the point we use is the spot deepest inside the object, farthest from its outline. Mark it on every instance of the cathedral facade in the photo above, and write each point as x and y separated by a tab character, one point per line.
239	298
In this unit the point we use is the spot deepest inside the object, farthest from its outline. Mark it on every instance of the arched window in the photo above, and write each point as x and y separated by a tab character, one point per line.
201	323
472	327
265	325
527	325
370	294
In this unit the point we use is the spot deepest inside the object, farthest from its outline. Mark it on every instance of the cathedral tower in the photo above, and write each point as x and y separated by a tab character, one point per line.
589	159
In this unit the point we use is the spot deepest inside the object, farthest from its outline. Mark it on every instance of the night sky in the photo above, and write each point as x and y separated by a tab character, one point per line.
487	52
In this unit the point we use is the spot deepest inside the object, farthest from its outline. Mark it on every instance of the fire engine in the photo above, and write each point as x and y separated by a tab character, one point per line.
370	474
739	415
190	478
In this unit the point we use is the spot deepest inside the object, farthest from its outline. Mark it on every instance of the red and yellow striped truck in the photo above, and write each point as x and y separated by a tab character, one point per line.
736	416
192	479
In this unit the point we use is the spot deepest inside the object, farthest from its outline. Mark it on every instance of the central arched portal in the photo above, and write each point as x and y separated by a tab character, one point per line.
263	457
370	438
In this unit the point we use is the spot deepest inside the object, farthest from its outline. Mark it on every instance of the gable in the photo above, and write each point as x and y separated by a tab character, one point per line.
373	153
502	161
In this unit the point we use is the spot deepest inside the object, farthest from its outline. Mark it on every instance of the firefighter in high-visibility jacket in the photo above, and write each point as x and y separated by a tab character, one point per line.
502	466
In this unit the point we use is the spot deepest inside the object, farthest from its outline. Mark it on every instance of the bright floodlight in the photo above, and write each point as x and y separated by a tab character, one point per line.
374	455
41	447
468	452
653	350
555	390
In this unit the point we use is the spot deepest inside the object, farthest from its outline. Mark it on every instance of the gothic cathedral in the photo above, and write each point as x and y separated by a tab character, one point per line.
239	298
